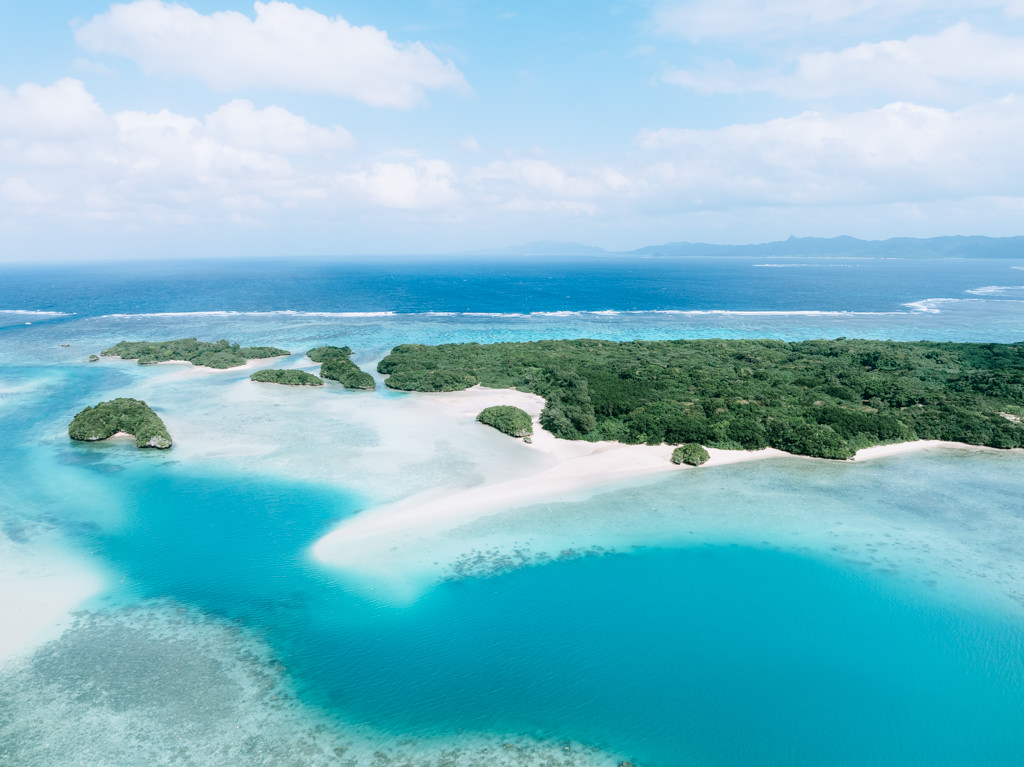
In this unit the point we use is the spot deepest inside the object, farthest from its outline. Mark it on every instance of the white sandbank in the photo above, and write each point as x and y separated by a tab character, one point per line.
571	468
39	588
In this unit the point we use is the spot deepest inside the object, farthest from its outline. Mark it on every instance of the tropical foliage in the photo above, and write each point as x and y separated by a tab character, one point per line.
124	414
200	353
691	454
336	365
508	419
286	377
821	398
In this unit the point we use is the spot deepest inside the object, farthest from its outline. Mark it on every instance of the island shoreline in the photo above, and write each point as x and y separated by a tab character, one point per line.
574	467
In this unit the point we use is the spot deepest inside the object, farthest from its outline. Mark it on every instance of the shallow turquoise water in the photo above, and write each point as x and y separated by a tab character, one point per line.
763	630
715	654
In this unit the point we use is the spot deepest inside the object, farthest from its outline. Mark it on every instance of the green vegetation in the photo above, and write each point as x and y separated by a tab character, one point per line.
508	419
691	453
131	416
200	353
820	398
336	365
323	353
286	377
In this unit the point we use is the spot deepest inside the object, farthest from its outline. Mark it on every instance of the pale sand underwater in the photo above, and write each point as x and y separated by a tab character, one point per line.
409	543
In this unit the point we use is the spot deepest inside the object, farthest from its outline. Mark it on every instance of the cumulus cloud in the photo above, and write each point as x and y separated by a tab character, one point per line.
417	185
532	184
900	152
923	66
273	129
58	145
63	157
283	46
735	19
65	108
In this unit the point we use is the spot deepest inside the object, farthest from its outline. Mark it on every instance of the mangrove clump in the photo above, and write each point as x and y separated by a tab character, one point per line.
286	377
130	416
691	454
336	366
507	419
820	398
220	355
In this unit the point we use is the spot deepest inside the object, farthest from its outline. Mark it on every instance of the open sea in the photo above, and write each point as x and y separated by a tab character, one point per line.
163	608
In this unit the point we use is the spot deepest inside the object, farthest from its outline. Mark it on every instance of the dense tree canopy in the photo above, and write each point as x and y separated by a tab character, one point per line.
821	398
336	365
508	419
201	353
286	377
124	414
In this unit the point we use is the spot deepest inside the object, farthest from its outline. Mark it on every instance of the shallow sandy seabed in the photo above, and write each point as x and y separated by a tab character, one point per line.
423	537
39	588
161	685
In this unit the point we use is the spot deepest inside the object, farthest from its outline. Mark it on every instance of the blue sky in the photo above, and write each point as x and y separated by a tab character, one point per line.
206	128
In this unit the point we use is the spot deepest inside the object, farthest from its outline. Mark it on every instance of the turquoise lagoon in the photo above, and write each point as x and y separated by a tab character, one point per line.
786	611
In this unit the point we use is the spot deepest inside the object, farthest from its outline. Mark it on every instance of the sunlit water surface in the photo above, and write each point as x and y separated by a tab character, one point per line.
785	612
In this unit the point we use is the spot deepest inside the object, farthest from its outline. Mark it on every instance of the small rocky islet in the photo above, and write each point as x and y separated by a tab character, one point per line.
123	415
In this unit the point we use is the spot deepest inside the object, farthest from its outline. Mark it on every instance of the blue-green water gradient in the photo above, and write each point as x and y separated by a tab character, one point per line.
715	654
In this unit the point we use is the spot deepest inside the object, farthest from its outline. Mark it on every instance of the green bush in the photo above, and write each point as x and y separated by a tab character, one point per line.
286	377
124	414
507	419
691	453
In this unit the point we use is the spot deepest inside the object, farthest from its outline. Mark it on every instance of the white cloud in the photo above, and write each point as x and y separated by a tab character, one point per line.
57	145
470	144
65	108
530	184
273	129
282	47
17	191
921	67
735	19
64	159
902	152
419	185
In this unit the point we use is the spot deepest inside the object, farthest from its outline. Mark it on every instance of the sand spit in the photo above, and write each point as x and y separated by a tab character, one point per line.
571	469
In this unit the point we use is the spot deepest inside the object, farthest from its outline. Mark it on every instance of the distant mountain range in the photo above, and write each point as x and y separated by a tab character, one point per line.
896	247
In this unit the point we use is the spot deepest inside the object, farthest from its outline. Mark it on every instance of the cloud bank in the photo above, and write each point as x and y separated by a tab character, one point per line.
63	157
282	47
921	67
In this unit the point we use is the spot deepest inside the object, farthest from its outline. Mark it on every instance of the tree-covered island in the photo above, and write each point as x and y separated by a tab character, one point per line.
818	398
130	416
336	366
286	377
507	419
220	355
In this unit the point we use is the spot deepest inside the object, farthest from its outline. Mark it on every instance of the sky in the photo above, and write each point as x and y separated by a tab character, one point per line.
220	128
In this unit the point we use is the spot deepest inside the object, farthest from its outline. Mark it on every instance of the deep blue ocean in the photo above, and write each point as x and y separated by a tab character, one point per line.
525	285
784	612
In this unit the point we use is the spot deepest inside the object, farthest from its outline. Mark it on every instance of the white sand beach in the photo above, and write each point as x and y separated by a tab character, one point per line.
570	468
